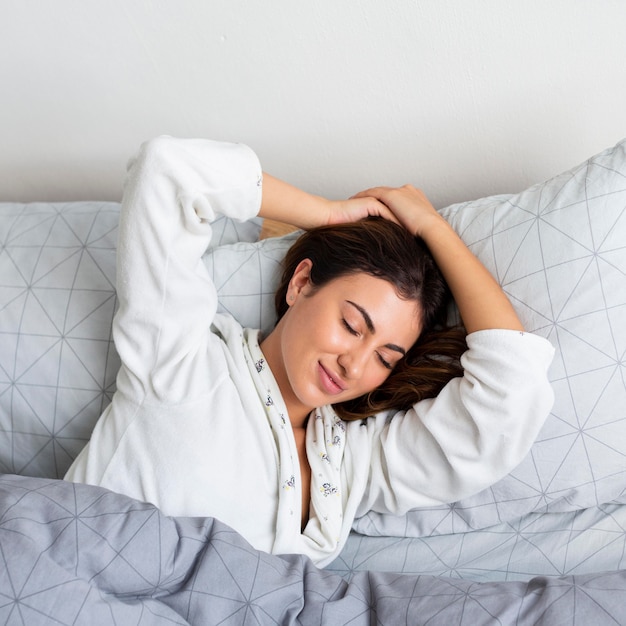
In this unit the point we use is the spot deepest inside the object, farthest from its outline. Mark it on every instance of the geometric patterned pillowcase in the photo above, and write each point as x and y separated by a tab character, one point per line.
559	251
57	299
246	276
57	361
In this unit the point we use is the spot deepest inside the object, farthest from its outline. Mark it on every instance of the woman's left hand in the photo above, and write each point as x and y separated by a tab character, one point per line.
480	300
408	206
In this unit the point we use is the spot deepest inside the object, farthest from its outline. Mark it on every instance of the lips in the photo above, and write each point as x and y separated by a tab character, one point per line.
330	385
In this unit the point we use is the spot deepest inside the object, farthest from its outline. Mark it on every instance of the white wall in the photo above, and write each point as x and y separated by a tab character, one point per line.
461	97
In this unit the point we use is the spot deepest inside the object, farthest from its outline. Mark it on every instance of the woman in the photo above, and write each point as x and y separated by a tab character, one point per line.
211	419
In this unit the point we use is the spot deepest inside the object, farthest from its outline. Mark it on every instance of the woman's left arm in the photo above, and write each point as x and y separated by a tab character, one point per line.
481	302
482	424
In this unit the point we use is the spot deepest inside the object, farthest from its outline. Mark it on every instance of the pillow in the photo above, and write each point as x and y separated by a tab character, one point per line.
559	251
57	299
246	276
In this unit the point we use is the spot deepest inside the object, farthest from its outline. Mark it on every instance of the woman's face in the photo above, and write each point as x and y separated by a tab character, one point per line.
339	341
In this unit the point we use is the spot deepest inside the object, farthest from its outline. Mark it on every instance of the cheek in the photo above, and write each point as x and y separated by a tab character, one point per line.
316	329
373	376
378	377
303	339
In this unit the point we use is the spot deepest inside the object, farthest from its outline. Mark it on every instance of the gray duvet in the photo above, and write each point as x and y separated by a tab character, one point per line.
75	554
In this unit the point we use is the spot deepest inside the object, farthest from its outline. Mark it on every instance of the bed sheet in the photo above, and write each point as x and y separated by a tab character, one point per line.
546	544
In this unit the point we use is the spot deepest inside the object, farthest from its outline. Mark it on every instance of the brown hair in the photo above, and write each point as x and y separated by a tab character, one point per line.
386	250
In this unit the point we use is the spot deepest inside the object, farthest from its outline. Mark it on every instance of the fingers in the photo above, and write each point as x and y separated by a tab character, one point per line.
408	205
382	210
387	195
372	192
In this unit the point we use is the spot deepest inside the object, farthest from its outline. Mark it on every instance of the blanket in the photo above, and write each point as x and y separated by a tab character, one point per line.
77	554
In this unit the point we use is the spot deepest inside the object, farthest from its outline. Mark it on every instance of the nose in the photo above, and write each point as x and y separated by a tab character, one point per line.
352	363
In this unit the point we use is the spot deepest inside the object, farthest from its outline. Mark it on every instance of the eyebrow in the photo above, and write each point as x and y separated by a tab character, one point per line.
370	326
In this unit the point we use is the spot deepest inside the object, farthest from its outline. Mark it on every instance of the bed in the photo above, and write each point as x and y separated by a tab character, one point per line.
545	545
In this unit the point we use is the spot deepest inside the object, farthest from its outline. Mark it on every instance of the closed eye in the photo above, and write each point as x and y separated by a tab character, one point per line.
349	328
354	332
384	363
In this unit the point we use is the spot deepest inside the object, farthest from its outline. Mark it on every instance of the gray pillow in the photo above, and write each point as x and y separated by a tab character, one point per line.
57	299
559	251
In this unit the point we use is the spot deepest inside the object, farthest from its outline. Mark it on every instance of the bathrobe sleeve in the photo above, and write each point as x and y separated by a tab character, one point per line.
174	190
472	434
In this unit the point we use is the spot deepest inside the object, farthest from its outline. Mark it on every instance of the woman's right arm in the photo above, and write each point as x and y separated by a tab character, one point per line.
174	190
288	204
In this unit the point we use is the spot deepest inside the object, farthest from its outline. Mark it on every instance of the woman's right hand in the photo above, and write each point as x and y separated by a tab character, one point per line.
288	204
357	208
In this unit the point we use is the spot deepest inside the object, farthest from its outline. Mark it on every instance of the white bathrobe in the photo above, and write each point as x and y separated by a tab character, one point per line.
198	426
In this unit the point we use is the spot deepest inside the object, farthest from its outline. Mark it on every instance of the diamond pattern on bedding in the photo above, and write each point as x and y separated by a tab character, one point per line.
76	554
246	277
552	544
57	300
57	361
559	251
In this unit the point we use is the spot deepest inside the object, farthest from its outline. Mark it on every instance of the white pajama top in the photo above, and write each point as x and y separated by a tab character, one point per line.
197	425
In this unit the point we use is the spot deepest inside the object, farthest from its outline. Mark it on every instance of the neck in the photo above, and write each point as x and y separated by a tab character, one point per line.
300	420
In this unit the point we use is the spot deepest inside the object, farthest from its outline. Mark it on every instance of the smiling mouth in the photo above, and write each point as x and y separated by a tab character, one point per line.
331	385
